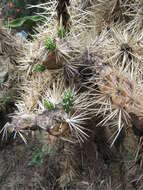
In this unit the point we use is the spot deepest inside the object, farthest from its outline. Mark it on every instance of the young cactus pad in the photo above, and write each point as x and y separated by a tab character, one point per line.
50	44
39	68
48	105
67	101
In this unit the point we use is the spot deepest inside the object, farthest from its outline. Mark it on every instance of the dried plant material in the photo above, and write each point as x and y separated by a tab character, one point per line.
120	46
63	13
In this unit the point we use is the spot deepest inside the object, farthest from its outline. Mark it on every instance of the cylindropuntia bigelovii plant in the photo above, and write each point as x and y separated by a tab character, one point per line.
10	53
121	46
88	81
56	112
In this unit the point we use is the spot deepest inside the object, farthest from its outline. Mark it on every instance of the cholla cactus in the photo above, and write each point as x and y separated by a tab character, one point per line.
82	85
135	11
10	52
121	46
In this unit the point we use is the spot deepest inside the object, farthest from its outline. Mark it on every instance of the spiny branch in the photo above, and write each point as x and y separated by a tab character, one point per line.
63	14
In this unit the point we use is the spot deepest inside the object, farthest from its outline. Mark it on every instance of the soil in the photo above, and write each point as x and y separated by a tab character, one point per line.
15	172
95	170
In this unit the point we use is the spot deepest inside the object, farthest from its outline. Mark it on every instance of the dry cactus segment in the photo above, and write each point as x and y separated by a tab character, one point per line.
63	14
120	46
106	13
135	11
65	116
115	97
10	52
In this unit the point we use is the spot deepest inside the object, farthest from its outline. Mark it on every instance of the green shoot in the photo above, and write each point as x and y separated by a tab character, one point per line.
38	156
61	32
48	105
68	100
50	44
37	159
39	68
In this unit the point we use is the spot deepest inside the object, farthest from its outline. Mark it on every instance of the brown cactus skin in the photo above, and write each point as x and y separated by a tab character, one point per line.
51	62
137	124
62	13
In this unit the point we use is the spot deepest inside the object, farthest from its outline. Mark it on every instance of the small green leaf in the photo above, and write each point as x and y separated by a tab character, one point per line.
50	44
48	105
61	32
27	20
37	159
68	101
39	68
